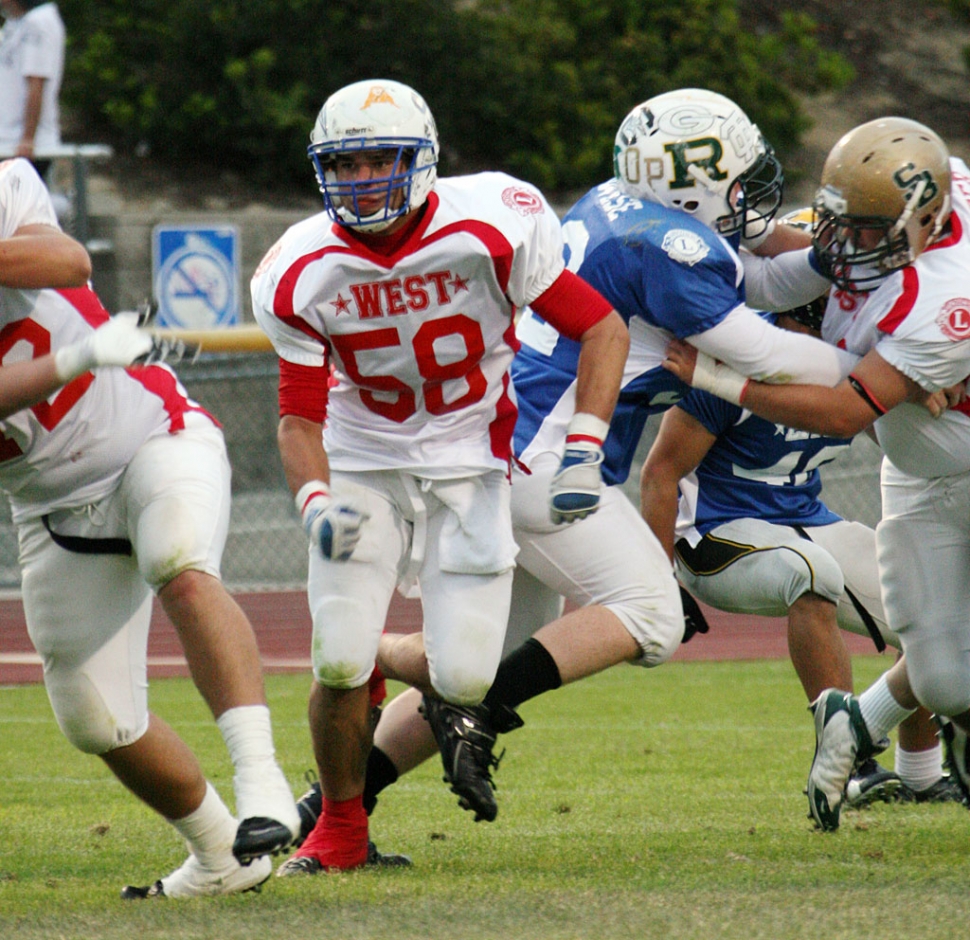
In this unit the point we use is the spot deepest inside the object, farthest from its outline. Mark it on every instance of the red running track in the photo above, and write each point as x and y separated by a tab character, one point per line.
282	624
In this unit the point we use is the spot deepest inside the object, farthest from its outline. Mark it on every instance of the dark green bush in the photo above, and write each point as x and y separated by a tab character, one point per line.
537	87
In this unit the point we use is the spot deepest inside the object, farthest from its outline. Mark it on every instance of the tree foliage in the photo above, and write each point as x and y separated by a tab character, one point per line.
536	87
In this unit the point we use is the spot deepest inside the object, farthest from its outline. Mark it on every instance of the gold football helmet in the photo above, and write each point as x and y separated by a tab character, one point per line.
885	196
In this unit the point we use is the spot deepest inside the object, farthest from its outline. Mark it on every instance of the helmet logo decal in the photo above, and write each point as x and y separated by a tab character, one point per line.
686	120
378	94
954	319
909	184
708	163
685	246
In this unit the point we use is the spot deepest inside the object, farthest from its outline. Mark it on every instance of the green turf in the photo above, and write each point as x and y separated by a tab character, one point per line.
645	804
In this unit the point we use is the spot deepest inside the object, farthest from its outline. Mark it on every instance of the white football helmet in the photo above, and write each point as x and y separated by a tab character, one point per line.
885	196
697	151
375	115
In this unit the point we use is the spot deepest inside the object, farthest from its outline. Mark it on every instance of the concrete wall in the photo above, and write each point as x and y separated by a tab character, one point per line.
121	241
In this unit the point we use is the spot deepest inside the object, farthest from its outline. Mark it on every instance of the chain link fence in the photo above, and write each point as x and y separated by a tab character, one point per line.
266	548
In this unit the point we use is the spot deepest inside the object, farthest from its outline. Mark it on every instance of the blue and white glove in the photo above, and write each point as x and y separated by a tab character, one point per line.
576	487
331	526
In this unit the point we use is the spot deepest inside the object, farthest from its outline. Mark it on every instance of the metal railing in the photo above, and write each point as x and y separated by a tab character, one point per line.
79	156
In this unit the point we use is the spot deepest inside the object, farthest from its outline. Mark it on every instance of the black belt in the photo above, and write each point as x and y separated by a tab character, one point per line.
83	546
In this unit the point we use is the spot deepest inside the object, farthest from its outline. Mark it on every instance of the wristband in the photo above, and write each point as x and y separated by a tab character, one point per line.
866	395
308	491
719	379
587	427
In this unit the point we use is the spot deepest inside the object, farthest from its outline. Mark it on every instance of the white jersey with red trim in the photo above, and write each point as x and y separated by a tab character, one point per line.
918	320
421	339
71	449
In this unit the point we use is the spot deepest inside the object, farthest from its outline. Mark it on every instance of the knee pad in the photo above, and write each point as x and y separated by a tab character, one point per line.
342	657
944	690
811	570
84	717
658	630
463	670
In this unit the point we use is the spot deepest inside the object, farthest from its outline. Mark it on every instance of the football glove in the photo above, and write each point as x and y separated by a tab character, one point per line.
119	342
575	489
332	527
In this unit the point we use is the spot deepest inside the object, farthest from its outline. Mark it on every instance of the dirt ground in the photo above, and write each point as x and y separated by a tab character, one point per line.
909	58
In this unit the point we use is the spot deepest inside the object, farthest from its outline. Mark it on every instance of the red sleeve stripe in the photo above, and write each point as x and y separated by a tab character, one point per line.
87	303
571	305
904	303
304	391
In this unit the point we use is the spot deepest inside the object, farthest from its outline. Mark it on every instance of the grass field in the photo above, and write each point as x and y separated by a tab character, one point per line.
649	804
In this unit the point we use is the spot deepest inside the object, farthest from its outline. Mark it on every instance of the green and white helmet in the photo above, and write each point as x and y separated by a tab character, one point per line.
697	151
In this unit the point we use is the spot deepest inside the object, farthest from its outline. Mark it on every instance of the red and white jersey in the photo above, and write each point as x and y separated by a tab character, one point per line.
422	338
918	320
71	449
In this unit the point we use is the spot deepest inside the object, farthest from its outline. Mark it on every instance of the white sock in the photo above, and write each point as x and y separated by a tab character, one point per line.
880	711
920	769
209	831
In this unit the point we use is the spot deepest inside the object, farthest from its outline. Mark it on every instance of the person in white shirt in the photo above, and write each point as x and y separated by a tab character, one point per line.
119	488
893	233
32	44
409	285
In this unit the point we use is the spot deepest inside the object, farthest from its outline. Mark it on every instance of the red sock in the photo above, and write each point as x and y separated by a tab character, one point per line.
339	839
377	687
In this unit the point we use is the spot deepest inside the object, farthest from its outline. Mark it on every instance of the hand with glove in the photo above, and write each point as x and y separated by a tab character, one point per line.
575	490
332	527
119	342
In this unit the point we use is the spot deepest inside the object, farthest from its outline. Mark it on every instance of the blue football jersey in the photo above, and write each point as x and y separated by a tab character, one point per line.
758	469
666	274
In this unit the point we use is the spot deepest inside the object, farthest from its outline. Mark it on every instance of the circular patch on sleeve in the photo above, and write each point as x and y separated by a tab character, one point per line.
954	319
685	246
524	201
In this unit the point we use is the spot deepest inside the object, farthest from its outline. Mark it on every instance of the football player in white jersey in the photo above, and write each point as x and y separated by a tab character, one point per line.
119	487
752	536
893	233
694	178
409	286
